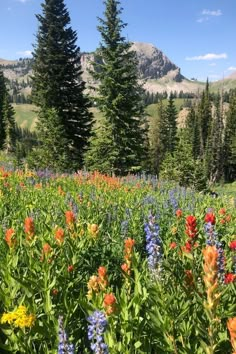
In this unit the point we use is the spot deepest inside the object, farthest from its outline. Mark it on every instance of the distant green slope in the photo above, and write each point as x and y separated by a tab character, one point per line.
26	115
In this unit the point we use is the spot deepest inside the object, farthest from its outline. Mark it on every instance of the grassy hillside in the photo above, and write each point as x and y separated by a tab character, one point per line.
26	115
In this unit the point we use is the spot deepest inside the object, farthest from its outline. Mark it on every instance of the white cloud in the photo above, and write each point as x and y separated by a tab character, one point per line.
23	1
212	64
209	56
211	13
25	53
232	68
202	19
207	14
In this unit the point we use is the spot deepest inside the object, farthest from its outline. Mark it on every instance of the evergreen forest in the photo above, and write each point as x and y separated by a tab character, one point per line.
67	138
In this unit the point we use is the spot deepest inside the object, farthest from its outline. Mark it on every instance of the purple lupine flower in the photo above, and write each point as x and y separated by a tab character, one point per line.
124	228
172	200
234	263
64	347
96	329
153	246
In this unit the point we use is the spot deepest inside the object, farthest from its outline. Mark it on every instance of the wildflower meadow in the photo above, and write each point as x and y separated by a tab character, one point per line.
97	264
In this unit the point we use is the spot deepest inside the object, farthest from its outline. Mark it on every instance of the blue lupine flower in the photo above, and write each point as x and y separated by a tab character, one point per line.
96	329
124	228
153	246
172	200
64	347
234	264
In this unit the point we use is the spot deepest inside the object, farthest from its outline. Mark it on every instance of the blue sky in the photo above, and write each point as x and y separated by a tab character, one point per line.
197	35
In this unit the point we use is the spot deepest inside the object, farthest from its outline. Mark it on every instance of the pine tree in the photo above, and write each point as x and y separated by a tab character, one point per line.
56	81
214	151
119	97
9	125
2	99
158	136
229	150
171	118
205	118
54	152
7	118
192	126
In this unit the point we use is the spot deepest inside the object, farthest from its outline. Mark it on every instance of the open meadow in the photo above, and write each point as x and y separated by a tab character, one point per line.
118	265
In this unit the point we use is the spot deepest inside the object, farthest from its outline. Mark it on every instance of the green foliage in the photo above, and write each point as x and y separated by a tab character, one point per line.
119	98
2	99
171	128
7	118
53	151
57	82
230	141
157	310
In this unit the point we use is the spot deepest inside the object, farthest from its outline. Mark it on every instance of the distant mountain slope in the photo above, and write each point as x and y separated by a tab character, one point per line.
155	69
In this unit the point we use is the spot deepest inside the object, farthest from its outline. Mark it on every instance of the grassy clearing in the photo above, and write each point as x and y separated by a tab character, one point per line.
228	189
26	115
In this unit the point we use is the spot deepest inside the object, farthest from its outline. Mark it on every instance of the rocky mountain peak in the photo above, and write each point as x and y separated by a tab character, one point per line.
153	64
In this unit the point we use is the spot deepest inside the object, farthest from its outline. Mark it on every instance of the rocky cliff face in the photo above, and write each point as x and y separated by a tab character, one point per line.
152	63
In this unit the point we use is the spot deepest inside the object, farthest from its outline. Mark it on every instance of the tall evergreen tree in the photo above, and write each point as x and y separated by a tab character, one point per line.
229	149
119	98
7	118
205	118
214	151
9	125
56	81
171	118
54	153
192	126
2	99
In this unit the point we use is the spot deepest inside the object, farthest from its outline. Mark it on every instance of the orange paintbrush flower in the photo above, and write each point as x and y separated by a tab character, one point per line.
29	227
70	217
9	237
59	235
109	303
231	324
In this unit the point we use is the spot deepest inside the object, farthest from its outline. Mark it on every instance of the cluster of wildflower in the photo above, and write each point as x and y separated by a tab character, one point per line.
129	245
232	246
10	237
224	218
59	235
93	230
109	303
153	246
172	200
18	318
212	240
29	228
97	283
70	218
231	324
191	231
210	256
96	328
72	204
63	347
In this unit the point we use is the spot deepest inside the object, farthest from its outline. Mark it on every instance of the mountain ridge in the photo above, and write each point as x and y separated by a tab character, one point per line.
156	71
